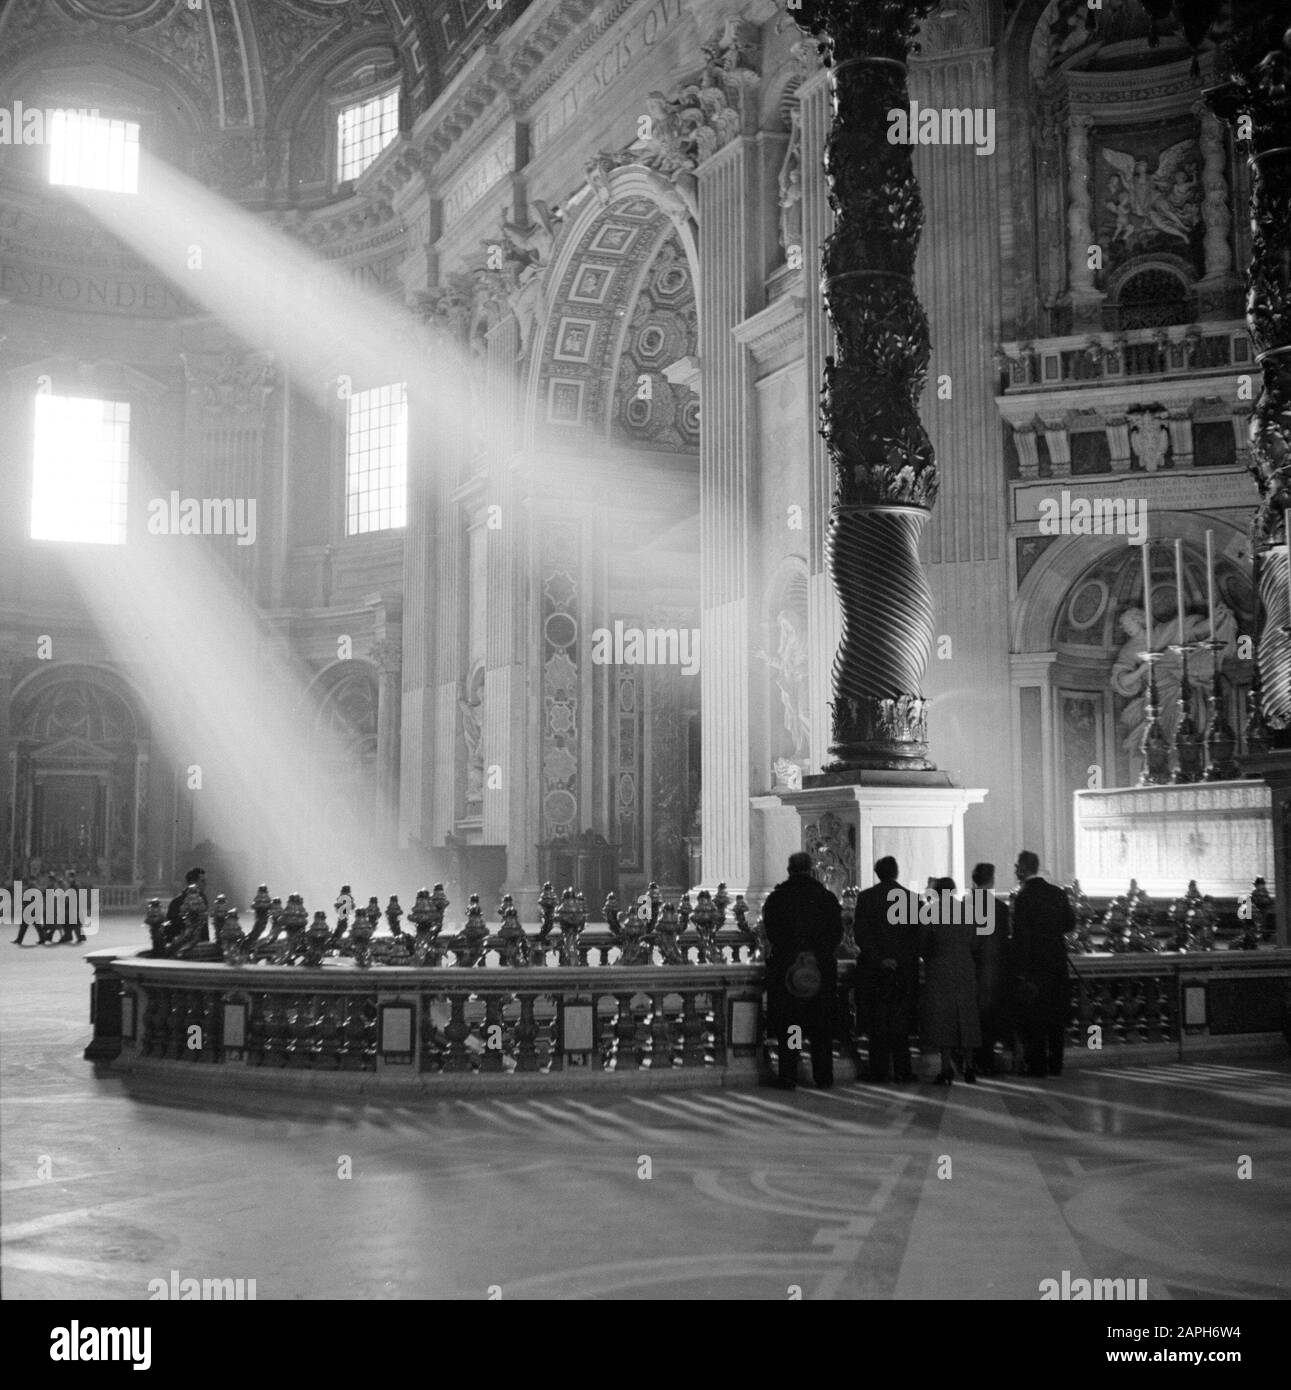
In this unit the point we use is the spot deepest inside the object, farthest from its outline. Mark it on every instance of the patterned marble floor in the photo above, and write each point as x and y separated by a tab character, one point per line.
862	1192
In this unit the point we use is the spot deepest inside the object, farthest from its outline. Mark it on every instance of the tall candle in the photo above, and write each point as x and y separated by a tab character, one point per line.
1147	596
1210	581
1178	587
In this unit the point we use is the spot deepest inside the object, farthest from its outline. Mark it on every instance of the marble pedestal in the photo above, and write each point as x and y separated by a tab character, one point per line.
917	817
1219	833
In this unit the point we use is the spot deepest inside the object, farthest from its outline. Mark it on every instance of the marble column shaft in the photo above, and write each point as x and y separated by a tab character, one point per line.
1214	209
1079	229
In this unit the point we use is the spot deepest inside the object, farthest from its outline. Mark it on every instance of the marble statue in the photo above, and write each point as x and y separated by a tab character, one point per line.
790	667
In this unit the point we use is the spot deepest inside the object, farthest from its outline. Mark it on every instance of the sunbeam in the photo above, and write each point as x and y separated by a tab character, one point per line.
229	704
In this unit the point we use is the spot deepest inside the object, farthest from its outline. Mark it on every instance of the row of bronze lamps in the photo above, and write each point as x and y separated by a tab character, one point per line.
652	923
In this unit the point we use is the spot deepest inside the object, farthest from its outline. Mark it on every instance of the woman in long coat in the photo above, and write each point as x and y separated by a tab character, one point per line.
948	1005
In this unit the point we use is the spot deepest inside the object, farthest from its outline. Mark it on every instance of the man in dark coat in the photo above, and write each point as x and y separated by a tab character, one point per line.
1042	916
990	962
175	912
887	971
802	915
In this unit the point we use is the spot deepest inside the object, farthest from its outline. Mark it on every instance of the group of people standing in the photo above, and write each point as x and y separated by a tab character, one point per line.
982	983
70	930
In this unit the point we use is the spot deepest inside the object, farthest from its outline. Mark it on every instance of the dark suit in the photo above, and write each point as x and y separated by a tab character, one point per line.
175	923
990	958
887	997
801	914
1042	915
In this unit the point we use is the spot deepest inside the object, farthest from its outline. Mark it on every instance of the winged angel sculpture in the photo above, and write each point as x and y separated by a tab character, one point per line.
1165	203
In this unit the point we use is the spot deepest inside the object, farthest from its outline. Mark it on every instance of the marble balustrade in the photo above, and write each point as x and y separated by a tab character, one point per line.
444	1028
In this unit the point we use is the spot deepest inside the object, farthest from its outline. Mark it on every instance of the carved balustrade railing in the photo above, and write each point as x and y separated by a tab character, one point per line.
1088	359
689	1022
428	1021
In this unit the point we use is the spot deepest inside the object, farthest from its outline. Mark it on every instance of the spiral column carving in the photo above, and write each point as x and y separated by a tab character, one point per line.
885	476
1256	101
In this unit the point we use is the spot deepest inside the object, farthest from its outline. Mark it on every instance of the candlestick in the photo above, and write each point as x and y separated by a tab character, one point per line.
1178	588
1187	746
1210	581
1147	596
1220	742
1154	747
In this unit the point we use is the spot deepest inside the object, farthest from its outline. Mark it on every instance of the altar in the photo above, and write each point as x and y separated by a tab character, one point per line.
1219	833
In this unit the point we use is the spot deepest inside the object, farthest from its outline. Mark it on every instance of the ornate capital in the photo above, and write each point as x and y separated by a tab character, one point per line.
230	383
955	25
387	656
878	28
707	112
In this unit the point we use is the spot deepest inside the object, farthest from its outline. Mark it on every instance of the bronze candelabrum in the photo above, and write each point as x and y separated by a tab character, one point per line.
1154	747
1220	742
1187	745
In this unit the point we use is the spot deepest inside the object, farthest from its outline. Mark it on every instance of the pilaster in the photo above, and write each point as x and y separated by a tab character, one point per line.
823	611
727	285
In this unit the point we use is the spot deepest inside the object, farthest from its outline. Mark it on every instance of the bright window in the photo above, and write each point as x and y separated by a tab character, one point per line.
82	459
363	131
376	460
87	150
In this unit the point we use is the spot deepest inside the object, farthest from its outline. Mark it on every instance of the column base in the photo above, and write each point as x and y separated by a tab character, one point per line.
848	820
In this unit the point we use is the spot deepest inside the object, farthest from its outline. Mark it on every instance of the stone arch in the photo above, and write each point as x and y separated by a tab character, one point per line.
342	700
1067	558
37	687
133	80
300	125
615	230
1139	288
80	748
1086	610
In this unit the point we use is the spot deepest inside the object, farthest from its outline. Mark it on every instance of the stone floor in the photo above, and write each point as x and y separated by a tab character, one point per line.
1127	1173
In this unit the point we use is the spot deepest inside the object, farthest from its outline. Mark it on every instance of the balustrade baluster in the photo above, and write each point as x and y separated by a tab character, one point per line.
526	1036
606	1021
328	1035
457	1030
491	1058
692	1031
660	1033
625	1056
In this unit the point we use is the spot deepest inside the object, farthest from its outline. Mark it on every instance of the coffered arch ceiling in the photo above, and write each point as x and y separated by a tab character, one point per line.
621	306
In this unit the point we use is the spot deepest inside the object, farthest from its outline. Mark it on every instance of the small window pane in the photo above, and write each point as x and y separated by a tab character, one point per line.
363	131
376	460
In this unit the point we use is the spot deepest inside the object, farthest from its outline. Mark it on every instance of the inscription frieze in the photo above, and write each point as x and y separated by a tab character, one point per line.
101	294
1186	491
603	68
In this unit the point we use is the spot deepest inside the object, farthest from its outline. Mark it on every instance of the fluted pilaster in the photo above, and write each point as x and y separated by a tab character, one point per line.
726	285
824	613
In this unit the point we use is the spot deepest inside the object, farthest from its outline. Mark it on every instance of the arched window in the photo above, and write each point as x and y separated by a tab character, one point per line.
1153	298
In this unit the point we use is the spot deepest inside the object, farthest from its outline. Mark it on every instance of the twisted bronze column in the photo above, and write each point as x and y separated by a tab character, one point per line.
885	478
1256	101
